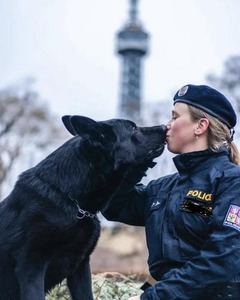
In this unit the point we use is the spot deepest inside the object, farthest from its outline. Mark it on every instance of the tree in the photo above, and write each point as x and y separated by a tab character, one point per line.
229	81
27	127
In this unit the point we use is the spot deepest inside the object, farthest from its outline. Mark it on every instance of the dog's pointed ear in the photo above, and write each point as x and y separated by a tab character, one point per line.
67	123
87	128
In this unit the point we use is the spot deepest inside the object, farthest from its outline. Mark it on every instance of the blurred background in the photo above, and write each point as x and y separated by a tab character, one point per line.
106	59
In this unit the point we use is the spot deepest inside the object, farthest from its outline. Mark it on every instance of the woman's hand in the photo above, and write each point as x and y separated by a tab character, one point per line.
134	298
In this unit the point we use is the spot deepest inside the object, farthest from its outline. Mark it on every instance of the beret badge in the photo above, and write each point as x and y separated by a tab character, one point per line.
183	91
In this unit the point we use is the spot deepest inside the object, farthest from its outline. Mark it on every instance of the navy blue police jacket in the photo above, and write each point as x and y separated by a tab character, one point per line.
192	223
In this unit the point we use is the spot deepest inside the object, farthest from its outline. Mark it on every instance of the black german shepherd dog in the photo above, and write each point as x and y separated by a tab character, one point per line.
48	223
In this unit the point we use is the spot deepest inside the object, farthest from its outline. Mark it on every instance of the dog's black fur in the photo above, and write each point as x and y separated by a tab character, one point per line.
48	224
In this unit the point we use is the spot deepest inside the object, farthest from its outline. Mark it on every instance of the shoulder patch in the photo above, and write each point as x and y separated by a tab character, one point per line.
232	218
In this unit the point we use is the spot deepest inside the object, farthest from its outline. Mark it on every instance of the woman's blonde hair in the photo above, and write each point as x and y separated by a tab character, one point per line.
218	133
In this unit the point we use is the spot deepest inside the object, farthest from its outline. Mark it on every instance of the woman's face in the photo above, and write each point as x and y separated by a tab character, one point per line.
181	136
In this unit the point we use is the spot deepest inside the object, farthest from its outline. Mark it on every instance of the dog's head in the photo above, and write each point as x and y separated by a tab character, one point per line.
124	141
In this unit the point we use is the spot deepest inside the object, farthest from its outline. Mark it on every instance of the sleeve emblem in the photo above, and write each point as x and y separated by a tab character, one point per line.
232	218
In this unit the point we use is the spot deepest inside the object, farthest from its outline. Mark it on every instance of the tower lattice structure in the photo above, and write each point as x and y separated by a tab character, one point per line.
132	46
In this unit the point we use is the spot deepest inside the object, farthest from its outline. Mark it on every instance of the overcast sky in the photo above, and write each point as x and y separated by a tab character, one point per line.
68	46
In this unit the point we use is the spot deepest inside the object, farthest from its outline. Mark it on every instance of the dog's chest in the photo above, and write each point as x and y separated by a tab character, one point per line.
80	239
75	248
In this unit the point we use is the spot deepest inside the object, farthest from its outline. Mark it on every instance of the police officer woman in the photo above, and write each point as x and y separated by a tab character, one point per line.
192	217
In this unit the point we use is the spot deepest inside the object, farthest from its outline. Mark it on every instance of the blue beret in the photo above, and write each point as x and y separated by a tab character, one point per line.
209	100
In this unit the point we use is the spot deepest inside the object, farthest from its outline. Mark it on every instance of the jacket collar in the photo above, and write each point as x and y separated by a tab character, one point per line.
189	162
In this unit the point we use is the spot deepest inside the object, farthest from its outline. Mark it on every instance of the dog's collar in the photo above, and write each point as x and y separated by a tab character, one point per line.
81	212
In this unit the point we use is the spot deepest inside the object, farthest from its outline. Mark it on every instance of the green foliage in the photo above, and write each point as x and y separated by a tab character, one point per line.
109	286
59	293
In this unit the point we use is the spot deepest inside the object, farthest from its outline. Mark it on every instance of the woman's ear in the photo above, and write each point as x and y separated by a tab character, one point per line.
202	126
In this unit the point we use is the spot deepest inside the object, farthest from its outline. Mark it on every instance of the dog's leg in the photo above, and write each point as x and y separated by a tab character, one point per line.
80	285
31	281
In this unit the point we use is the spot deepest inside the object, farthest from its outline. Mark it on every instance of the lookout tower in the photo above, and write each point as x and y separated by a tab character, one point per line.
132	46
